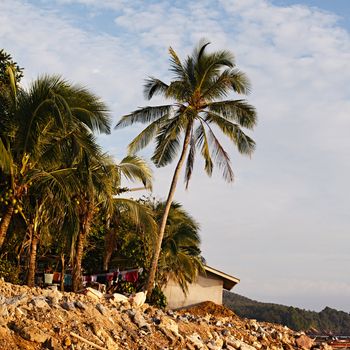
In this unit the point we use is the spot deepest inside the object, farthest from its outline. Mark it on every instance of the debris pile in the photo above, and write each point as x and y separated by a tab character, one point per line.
35	318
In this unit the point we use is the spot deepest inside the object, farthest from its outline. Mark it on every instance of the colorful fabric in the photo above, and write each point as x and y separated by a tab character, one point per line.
56	277
68	280
132	276
110	276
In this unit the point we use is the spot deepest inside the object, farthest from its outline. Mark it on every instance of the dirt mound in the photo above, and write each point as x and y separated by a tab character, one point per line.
208	307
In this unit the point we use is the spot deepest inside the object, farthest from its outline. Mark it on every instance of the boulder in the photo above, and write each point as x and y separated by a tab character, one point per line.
68	305
34	334
93	293
140	321
40	303
119	298
80	305
304	342
102	309
197	341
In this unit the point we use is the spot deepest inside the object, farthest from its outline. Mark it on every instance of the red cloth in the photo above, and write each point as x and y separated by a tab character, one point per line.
132	276
56	277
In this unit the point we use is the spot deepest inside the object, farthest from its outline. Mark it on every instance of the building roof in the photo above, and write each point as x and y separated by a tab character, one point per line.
229	281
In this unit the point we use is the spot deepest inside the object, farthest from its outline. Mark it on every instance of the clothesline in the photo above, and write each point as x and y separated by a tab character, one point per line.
131	275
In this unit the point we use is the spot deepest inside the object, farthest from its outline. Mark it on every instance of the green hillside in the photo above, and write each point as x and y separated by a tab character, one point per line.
326	321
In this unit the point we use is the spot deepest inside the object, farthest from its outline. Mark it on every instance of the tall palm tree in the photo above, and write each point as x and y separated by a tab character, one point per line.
197	93
53	123
99	180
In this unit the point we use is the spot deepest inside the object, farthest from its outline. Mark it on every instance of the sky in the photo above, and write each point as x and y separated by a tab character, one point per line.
283	226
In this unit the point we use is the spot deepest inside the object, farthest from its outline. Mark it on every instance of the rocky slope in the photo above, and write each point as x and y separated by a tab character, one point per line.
34	318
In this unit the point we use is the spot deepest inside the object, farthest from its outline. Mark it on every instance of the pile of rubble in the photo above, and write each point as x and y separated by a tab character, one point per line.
34	318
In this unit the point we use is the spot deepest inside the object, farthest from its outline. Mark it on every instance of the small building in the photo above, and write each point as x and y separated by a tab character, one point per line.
208	287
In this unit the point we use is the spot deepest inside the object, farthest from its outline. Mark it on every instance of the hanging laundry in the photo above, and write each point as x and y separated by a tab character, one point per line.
68	280
56	277
93	278
109	276
132	276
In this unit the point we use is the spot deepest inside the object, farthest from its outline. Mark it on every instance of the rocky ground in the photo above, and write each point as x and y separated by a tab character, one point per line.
34	318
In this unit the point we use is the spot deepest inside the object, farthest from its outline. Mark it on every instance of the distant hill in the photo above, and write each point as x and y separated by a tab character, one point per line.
325	322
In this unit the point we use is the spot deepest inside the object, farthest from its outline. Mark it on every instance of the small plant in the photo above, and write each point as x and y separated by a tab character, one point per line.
158	298
9	272
125	287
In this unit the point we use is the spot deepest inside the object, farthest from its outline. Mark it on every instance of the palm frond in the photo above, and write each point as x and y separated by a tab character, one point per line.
238	110
135	168
144	115
146	135
220	85
179	90
6	161
60	181
154	86
202	142
190	161
176	65
11	73
244	143
168	141
138	213
221	157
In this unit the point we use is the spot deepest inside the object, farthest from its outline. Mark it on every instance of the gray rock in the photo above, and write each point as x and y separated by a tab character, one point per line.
196	340
39	303
102	309
140	321
80	305
170	313
68	305
225	332
131	313
216	343
17	300
156	320
170	325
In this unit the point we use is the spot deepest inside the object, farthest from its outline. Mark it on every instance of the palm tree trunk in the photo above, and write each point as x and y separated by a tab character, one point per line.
110	245
5	222
77	282
78	257
107	258
158	247
62	273
32	256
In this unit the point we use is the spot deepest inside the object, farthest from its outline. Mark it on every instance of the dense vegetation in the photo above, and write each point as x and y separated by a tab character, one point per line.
324	322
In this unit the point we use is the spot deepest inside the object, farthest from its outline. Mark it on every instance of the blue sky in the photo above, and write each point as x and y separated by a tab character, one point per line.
283	226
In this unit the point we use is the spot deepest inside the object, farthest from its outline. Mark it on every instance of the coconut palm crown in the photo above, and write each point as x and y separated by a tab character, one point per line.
199	108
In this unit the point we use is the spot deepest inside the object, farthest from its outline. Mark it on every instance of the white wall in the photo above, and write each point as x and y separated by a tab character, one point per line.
207	288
